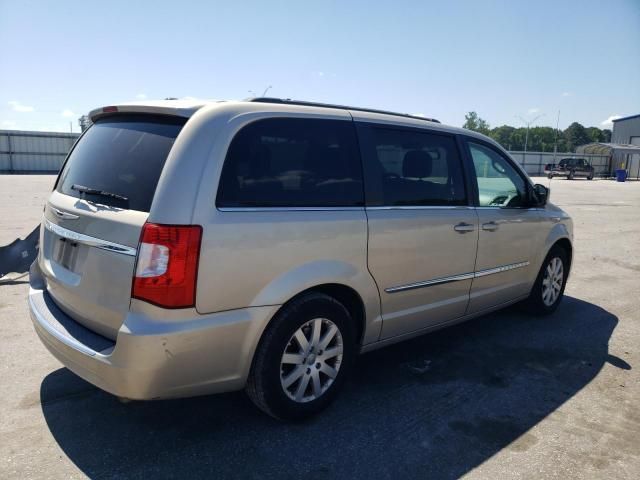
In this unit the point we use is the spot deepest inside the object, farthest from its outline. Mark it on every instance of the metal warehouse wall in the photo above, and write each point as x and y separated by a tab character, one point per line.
23	151
625	130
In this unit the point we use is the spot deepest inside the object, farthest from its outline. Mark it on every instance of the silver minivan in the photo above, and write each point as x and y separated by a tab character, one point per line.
192	247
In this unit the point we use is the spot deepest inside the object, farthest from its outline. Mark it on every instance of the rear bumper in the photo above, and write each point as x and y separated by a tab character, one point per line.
155	358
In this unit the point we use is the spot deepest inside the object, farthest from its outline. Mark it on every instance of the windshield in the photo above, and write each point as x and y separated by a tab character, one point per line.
118	161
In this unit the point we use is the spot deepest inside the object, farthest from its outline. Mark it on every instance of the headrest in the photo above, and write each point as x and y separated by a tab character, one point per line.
416	164
327	162
260	165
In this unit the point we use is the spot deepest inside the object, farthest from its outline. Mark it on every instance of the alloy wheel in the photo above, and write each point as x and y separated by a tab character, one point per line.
311	360
552	281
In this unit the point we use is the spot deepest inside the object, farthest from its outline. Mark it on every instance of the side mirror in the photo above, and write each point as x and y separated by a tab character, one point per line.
540	194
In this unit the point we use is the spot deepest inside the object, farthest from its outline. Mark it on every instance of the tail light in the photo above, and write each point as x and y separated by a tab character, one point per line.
167	265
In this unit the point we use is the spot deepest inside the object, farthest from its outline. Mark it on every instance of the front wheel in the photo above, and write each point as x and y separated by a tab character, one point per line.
549	176
571	175
303	358
548	290
590	177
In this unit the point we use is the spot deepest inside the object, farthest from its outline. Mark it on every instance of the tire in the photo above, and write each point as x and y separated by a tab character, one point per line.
270	371
538	302
571	174
590	177
549	176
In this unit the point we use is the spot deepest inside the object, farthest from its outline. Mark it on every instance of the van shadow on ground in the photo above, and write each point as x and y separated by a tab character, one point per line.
434	407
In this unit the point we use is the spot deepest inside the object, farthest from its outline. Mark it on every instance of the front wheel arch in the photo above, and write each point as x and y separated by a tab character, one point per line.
565	244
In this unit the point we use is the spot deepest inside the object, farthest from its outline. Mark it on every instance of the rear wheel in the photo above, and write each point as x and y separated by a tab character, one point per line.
303	358
548	290
571	174
549	176
590	177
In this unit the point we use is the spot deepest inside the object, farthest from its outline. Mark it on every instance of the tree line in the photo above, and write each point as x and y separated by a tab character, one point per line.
541	139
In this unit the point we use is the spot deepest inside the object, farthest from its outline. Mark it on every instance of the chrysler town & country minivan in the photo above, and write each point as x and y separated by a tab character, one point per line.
189	248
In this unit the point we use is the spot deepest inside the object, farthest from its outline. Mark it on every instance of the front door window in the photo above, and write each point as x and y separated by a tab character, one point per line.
499	184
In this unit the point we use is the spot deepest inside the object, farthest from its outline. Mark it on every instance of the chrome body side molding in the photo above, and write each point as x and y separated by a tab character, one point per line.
456	278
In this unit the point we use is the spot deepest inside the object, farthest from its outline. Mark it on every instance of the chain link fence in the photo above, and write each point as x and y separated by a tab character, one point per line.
534	162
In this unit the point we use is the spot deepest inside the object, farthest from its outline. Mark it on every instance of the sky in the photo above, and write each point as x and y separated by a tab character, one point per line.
510	61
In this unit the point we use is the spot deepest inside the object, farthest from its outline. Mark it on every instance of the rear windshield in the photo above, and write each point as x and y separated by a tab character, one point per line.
121	156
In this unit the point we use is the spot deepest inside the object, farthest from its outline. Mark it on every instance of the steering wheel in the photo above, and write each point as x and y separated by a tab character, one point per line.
504	200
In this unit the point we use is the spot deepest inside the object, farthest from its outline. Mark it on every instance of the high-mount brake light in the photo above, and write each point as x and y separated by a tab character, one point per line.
167	265
109	109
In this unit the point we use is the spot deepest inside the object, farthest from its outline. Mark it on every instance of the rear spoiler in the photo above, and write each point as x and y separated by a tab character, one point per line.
175	108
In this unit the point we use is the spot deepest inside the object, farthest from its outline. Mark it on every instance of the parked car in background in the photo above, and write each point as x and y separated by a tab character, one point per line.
570	168
192	248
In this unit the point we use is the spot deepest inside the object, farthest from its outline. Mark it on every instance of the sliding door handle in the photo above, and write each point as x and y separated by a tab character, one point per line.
490	226
464	227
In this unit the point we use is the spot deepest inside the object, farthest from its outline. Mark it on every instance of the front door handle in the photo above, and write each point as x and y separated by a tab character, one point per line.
464	227
490	226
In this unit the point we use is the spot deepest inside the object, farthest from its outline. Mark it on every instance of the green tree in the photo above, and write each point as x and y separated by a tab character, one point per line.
594	134
475	123
502	135
517	139
541	139
576	135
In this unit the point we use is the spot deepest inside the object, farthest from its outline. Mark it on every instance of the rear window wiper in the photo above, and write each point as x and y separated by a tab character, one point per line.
95	191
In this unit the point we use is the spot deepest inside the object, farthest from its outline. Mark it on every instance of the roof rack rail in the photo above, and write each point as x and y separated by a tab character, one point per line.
288	101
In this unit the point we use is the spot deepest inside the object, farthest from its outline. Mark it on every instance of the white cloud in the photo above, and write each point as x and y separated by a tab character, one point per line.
566	94
68	113
323	74
609	121
141	96
8	123
534	110
19	107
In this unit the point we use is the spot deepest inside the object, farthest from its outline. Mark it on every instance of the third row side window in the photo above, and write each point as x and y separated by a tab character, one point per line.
293	162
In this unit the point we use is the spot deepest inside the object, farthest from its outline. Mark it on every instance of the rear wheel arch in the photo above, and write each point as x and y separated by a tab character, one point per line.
344	294
351	300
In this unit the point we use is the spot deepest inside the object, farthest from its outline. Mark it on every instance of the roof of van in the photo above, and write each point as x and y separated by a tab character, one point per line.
188	106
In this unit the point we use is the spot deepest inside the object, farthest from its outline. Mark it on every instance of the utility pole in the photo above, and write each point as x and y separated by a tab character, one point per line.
528	124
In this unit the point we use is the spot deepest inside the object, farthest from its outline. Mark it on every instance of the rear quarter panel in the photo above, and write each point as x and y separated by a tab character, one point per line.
259	257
